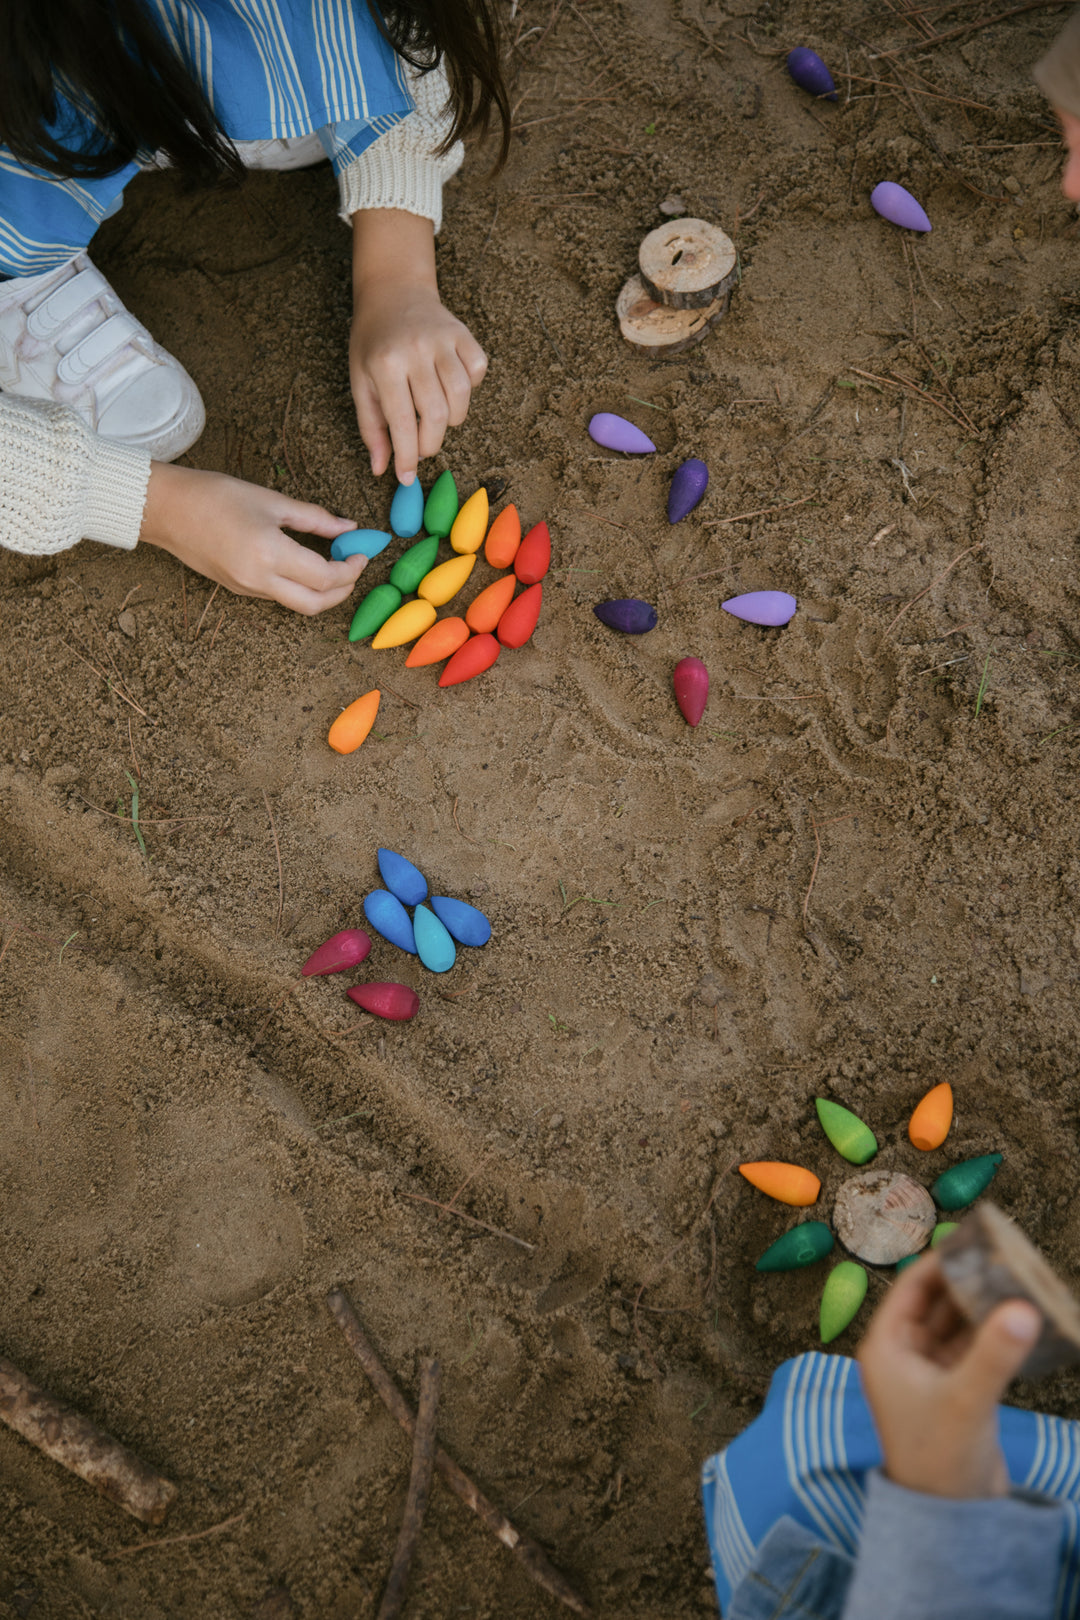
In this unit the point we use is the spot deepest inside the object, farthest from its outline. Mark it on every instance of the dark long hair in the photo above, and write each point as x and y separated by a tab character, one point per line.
110	58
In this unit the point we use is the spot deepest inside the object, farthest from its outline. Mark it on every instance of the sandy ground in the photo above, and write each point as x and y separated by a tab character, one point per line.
856	878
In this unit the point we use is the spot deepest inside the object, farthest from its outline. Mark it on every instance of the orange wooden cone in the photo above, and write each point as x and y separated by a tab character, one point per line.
503	539
441	641
477	655
353	724
519	621
488	608
929	1124
787	1182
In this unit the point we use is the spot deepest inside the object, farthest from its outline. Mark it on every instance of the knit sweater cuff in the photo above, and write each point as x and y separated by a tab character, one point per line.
402	169
116	494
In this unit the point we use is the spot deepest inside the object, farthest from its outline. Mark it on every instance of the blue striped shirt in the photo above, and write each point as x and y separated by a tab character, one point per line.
271	69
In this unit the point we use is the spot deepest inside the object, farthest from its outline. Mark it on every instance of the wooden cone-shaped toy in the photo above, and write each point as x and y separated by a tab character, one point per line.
470	525
441	506
687	263
929	1124
485	611
533	558
788	1183
446	580
845	1290
405	881
407	510
406	624
962	1184
353	724
441	641
434	945
374	611
941	1232
802	1246
503	539
519	621
386	1000
988	1260
654	328
853	1140
883	1215
414	564
478	654
345	950
691	682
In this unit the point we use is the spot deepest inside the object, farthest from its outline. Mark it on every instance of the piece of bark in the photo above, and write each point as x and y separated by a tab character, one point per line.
987	1260
687	264
883	1216
80	1446
533	1558
654	328
423	1464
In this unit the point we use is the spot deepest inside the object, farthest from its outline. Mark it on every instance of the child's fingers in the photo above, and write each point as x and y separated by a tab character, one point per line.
307	518
456	385
432	411
302	599
998	1351
396	404
472	358
371	420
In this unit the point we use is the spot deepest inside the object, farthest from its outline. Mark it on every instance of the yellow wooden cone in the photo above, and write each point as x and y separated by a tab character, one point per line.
446	580
470	525
406	624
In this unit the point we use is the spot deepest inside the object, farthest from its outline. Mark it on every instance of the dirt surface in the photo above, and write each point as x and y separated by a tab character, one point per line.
856	878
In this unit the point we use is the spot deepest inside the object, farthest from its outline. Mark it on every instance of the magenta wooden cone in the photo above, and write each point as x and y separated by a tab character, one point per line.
385	1000
691	681
344	950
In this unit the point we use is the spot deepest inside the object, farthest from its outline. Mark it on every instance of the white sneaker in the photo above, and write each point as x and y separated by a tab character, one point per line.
65	335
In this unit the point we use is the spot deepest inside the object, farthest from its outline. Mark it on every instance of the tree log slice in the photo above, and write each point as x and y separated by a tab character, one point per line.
687	264
653	328
883	1216
987	1260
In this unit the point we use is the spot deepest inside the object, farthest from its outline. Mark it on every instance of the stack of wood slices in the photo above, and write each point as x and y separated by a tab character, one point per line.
686	272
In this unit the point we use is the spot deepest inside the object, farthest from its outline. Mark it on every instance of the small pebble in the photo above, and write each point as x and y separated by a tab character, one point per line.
673	207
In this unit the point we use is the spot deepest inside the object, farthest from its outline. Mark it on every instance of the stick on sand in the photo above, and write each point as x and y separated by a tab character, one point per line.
423	1464
79	1445
530	1555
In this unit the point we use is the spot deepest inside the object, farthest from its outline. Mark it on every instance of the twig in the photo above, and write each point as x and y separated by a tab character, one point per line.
762	511
144	821
532	1557
817	856
902	382
972	27
280	874
497	1231
284	441
205	611
423	1465
959	558
131	745
111	684
217	627
172	1541
401	697
127	598
457	824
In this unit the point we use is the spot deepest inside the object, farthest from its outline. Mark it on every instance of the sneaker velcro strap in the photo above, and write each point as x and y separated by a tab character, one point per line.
98	346
65	303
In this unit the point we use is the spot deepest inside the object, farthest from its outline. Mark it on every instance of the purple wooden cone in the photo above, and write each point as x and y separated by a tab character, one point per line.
344	950
689	484
691	682
810	72
762	607
898	206
616	433
627	614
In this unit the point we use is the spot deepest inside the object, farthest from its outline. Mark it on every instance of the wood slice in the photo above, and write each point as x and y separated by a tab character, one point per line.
987	1260
687	264
883	1216
652	328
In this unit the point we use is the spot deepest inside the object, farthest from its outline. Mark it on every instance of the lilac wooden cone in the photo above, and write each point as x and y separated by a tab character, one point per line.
691	681
616	433
899	207
689	484
762	607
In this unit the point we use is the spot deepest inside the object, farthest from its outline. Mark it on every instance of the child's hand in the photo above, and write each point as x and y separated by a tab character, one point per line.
933	1383
232	532
413	365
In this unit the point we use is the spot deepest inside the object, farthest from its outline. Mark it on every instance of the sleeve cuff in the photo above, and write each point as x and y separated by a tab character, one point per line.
116	494
396	173
937	1557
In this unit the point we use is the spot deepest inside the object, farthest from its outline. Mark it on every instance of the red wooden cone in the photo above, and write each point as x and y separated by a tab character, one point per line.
385	1000
519	621
478	654
691	681
344	950
533	557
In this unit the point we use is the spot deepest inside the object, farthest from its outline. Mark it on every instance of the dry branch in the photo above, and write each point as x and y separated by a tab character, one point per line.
423	1464
80	1446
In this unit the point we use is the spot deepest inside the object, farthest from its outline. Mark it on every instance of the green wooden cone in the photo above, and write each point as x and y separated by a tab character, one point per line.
845	1290
374	611
942	1230
962	1184
413	564
800	1247
846	1131
908	1260
441	507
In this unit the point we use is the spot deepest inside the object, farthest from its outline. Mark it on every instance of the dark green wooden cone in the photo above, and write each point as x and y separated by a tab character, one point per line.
441	506
962	1184
374	611
852	1139
800	1247
413	564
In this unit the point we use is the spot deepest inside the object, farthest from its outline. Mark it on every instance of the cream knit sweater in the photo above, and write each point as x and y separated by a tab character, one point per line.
61	483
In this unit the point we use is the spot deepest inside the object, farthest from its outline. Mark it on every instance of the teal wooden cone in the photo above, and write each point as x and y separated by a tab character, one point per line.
845	1290
962	1184
800	1247
908	1260
852	1139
